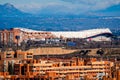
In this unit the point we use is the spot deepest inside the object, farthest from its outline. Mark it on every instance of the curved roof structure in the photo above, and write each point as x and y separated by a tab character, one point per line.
82	34
74	34
27	30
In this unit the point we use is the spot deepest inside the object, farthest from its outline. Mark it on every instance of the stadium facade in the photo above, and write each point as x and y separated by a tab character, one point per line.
17	35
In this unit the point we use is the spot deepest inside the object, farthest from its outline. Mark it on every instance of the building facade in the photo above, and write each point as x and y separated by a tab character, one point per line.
66	69
20	65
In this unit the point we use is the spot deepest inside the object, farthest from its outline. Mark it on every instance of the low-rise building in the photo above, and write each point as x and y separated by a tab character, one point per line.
63	69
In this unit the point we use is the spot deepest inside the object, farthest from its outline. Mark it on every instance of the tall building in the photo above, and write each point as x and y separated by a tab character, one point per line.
9	36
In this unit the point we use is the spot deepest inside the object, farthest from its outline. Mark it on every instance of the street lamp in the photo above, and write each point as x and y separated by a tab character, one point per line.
17	38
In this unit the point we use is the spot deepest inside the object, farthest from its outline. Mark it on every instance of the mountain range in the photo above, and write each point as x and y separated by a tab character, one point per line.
11	17
110	11
9	10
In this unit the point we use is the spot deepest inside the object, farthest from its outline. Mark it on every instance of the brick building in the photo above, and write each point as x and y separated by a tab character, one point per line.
66	69
25	67
16	35
9	36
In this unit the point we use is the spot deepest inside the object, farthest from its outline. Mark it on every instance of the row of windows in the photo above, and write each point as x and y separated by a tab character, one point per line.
3	36
72	69
29	56
100	64
38	33
40	66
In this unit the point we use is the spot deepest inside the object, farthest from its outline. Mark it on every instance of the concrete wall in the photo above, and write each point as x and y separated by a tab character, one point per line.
50	50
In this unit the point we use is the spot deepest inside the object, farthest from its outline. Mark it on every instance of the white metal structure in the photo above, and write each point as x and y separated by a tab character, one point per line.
77	34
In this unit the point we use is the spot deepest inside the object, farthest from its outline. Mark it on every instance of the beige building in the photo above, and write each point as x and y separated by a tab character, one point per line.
63	68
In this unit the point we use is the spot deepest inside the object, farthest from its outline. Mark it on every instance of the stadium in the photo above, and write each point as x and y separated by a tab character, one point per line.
92	34
17	35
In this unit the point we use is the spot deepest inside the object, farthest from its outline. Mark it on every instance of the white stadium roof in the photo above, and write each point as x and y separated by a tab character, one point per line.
81	34
73	34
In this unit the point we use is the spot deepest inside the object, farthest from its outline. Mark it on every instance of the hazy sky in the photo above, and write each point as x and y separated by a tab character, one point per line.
62	6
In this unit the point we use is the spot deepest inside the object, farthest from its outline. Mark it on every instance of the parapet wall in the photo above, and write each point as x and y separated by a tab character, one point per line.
50	50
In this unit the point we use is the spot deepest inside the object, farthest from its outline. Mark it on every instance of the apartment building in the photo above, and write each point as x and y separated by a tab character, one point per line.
70	69
18	54
16	35
10	36
25	67
8	58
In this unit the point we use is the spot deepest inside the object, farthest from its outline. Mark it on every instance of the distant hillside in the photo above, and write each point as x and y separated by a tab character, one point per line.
115	8
11	17
8	10
110	11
